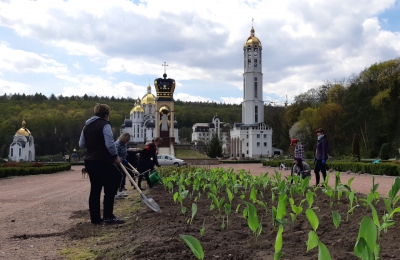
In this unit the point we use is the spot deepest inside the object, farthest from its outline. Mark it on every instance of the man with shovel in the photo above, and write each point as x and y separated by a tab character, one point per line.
101	154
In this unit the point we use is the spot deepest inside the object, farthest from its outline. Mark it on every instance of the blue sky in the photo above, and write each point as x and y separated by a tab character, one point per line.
116	48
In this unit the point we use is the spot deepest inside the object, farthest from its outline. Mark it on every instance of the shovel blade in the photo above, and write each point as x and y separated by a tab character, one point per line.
150	203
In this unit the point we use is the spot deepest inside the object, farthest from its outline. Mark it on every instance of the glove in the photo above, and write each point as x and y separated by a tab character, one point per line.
124	162
323	161
315	160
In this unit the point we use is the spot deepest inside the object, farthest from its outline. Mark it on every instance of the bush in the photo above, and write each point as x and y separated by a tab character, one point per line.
28	169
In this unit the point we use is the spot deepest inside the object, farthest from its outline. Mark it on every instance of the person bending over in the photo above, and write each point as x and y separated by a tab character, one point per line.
147	160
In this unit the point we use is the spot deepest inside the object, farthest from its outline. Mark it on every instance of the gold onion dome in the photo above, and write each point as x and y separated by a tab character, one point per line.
137	108
23	131
252	40
149	99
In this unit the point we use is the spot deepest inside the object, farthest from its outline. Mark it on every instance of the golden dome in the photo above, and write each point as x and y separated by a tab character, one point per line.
23	131
137	108
149	99
252	40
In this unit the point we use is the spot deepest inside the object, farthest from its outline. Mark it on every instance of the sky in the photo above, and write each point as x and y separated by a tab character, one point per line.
117	48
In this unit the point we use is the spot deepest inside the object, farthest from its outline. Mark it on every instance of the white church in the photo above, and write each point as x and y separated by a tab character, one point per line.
142	119
22	147
251	138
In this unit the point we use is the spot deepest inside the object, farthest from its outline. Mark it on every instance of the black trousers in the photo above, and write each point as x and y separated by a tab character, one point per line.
319	166
101	174
144	170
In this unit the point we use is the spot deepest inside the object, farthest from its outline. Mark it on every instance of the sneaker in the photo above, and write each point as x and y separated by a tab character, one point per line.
123	194
113	220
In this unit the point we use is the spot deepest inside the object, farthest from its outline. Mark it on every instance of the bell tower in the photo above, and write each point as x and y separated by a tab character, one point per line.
253	105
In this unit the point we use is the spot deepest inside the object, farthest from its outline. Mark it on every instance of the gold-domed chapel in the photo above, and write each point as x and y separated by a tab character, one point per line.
22	147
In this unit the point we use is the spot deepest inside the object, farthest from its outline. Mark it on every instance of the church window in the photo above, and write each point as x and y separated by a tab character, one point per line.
265	144
265	136
249	63
247	152
255	88
247	144
19	151
258	144
12	152
255	63
258	135
256	114
247	136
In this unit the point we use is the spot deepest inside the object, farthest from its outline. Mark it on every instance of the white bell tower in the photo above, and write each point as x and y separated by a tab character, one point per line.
253	105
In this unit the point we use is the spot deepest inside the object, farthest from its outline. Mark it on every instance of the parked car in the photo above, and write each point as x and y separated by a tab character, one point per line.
168	160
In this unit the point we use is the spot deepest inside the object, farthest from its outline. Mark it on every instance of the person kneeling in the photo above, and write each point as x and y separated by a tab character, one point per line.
301	168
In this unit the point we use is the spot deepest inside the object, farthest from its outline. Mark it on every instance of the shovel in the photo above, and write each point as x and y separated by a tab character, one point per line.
148	201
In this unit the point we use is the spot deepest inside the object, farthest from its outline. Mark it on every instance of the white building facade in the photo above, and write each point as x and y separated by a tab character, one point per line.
252	138
142	118
204	132
23	146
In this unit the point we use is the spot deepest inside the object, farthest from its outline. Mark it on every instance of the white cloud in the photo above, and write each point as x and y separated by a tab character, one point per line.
232	100
22	61
76	65
12	87
304	42
187	97
96	85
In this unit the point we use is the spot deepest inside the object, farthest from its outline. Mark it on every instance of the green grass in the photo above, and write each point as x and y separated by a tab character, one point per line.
189	154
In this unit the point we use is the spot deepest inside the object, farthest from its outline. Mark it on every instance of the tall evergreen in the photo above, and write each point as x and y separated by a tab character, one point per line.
215	148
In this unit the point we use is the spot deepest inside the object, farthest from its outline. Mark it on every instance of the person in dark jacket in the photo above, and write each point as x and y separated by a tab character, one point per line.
301	168
321	155
147	160
101	154
132	158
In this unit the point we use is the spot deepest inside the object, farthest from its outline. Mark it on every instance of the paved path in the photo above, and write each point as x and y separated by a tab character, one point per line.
34	210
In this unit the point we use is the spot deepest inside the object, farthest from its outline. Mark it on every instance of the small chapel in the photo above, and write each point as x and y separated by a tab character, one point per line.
22	147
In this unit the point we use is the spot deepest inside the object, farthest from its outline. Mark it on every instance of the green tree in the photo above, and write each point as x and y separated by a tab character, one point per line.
384	153
215	147
356	147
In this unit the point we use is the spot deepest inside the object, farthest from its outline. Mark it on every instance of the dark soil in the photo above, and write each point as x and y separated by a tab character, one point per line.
155	235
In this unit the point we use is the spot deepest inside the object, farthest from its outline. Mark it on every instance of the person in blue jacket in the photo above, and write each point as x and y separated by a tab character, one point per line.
101	154
321	155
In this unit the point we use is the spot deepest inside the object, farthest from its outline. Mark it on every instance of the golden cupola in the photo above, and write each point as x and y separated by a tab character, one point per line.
252	41
137	108
149	99
23	131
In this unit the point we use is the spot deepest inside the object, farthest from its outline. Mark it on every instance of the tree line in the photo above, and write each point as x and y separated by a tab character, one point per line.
365	105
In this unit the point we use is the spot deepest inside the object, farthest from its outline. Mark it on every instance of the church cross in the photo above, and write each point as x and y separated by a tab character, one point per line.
165	67
252	19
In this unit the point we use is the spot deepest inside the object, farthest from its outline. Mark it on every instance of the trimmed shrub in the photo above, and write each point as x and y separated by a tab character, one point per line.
29	170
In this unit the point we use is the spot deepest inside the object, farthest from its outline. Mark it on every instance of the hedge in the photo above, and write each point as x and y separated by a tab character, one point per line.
22	171
389	169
